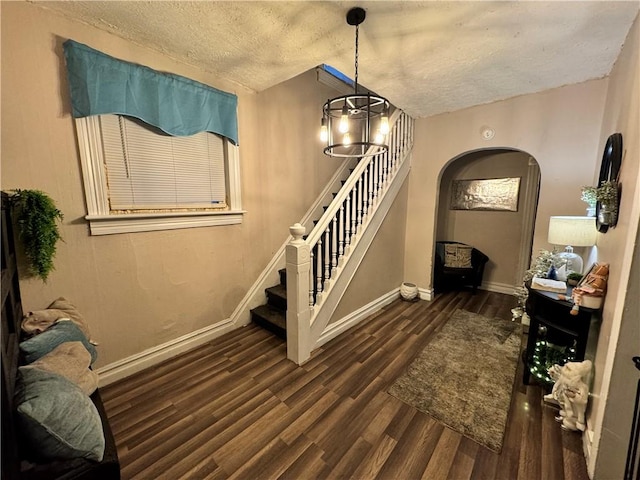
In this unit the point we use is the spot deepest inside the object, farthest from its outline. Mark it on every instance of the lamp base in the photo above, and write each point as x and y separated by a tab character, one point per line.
572	261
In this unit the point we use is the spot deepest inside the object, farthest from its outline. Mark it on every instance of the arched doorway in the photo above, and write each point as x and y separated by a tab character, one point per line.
505	236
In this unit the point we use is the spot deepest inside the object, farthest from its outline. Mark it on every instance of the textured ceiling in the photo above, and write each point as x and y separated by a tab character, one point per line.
425	57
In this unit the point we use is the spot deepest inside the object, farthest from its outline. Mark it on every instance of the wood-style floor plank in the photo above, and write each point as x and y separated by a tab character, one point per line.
237	408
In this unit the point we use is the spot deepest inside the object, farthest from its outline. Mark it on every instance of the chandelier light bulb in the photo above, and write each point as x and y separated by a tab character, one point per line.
344	120
379	138
347	139
384	125
324	132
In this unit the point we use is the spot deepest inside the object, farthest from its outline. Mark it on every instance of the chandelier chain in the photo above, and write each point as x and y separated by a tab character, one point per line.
356	62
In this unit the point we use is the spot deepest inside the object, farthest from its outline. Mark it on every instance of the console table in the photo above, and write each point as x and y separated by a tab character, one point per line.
545	309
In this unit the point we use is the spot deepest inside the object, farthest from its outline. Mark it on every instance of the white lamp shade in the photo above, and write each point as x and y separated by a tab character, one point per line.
574	231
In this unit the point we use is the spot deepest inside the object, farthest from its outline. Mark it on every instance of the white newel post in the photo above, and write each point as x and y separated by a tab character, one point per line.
298	255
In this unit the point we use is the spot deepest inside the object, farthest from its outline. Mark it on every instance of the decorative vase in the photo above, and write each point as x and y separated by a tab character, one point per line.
409	292
605	214
591	211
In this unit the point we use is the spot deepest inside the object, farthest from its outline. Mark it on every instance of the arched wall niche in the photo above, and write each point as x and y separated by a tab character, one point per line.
506	237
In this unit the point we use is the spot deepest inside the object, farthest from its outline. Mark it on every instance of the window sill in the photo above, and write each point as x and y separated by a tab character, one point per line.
148	222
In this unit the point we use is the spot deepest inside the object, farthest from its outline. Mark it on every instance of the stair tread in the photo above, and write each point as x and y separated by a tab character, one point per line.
272	315
278	290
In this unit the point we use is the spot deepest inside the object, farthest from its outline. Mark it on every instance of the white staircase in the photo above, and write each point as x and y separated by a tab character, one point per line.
320	266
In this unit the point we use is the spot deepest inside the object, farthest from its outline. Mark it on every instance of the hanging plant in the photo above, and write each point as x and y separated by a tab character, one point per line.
606	193
36	215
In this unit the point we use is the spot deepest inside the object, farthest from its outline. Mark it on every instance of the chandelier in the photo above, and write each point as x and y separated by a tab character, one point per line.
355	125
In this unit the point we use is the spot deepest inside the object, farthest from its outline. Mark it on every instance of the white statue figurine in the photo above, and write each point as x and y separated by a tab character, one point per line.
571	392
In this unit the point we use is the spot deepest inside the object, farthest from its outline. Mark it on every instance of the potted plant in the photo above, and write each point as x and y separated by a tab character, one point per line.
36	215
574	278
607	196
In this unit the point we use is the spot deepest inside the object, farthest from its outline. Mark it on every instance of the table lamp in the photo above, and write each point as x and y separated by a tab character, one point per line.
572	232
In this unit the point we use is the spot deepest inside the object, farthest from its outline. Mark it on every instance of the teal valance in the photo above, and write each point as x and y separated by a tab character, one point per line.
101	84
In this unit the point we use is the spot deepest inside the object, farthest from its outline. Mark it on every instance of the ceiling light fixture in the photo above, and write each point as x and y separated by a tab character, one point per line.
355	125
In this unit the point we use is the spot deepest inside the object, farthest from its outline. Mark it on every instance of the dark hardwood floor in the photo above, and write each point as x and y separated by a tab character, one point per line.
237	408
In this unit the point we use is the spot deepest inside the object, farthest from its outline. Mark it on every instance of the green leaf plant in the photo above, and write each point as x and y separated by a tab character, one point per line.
36	215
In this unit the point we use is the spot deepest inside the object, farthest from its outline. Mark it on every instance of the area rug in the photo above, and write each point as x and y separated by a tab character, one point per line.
464	376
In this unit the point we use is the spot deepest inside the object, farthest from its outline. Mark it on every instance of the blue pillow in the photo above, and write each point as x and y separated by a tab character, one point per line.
43	343
58	420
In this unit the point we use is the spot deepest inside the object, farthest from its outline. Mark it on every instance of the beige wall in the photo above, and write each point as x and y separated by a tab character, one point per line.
478	228
612	404
560	128
381	270
141	290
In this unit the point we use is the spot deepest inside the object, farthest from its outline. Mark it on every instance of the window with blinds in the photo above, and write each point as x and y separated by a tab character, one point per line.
149	170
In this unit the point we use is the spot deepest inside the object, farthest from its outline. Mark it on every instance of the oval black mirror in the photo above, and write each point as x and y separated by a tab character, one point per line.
607	214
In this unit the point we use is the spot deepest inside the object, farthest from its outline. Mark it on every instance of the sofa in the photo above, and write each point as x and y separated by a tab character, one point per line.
49	392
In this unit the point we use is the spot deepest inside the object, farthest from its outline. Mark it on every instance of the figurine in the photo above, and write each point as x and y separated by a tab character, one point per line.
594	284
571	392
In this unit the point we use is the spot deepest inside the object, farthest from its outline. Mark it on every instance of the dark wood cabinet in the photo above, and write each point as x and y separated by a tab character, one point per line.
551	320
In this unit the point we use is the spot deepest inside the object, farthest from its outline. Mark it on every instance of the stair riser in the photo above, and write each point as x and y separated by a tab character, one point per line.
267	325
277	301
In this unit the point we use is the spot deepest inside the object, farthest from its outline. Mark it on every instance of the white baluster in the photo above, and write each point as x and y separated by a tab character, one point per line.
311	299
354	202
327	257
347	222
319	266
341	232
334	246
379	172
385	168
359	202
370	182
363	194
376	182
394	156
400	141
405	134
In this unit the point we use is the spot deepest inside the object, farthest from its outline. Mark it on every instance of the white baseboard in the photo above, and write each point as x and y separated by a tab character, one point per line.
498	287
336	328
425	293
148	358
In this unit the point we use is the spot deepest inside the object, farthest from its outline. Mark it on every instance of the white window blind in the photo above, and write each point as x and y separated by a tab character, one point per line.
149	170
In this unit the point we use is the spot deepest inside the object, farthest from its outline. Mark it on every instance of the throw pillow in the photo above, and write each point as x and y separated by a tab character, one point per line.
58	420
38	321
63	331
72	312
70	360
450	254
457	255
464	256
